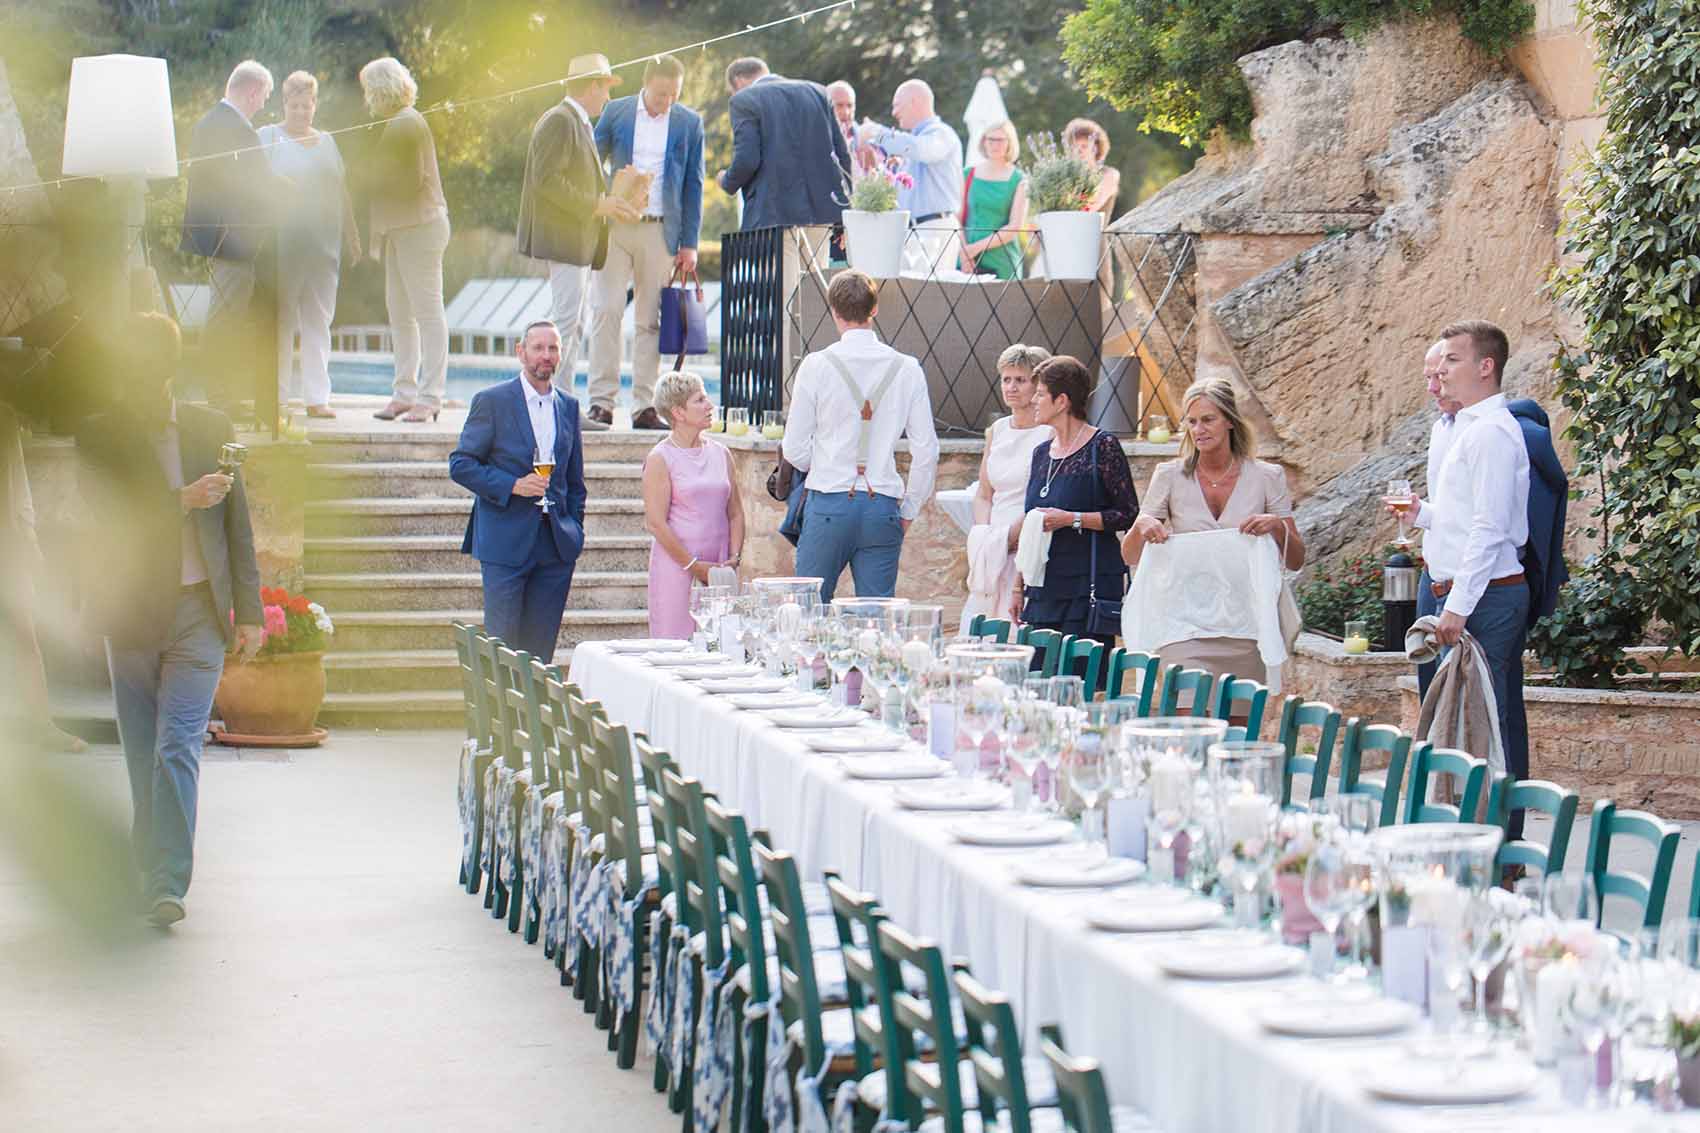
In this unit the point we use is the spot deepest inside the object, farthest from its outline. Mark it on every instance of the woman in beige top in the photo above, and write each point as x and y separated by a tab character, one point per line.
1216	486
409	232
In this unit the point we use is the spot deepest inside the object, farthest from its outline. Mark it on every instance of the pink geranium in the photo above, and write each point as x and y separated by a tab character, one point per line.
277	623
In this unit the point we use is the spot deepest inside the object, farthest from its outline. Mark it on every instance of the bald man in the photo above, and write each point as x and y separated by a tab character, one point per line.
931	153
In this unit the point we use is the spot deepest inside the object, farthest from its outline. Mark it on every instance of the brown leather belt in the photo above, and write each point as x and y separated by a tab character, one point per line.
1442	589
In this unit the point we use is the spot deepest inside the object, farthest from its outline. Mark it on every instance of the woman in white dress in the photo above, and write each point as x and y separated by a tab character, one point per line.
1000	497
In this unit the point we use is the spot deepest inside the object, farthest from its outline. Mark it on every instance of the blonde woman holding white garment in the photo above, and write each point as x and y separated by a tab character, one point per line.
1216	485
1000	496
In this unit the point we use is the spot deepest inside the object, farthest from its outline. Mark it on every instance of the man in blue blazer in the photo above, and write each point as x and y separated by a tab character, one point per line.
789	157
653	133
526	551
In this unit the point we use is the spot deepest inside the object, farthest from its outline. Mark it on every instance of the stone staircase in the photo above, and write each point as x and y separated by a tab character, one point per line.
383	532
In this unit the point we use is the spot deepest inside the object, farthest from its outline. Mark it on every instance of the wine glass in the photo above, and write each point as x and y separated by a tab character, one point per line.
1487	929
873	657
1358	867
1447	946
1330	891
1570	896
1027	731
543	463
706	608
1068	692
1399	495
840	641
1358	814
1589	1008
231	457
1090	770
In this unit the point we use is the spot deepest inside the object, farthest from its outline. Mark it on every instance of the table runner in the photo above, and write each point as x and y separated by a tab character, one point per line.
1190	1054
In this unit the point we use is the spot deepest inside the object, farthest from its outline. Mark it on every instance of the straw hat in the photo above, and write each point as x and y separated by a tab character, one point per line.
592	66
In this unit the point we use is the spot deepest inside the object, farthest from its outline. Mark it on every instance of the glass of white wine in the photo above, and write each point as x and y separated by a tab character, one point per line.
543	463
1400	497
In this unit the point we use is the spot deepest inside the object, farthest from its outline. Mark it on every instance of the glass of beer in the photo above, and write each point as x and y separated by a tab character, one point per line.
1400	497
230	457
543	463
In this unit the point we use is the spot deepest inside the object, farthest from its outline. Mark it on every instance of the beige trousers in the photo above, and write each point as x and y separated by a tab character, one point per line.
638	259
413	291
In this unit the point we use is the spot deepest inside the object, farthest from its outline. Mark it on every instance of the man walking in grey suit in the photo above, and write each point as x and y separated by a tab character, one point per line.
172	607
564	207
789	158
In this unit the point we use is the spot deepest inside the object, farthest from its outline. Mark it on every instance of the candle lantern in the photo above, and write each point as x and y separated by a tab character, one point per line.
1398	599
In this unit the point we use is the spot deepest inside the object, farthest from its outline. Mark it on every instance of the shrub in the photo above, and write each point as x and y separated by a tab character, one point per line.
1584	638
1175	62
1349	592
1058	181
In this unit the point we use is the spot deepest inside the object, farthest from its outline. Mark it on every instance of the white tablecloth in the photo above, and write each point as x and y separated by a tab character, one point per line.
958	503
1190	1054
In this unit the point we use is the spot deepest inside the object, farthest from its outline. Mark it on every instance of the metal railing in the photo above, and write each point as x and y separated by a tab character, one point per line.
1132	325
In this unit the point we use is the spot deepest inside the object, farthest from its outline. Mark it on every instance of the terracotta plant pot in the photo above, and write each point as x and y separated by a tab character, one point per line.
271	696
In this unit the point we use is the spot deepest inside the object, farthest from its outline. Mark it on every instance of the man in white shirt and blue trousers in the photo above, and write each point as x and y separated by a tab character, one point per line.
850	405
1477	522
654	133
932	155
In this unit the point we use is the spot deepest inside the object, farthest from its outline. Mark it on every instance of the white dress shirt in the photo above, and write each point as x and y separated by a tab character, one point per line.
1439	440
168	447
541	406
649	152
824	428
1477	514
584	115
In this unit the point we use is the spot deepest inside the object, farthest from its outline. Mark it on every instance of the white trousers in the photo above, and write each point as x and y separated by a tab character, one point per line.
413	291
637	259
306	303
569	289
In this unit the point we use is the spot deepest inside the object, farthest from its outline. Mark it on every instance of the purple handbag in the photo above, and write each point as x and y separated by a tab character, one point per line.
684	318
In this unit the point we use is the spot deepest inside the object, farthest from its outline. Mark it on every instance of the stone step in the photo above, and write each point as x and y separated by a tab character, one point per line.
591	589
435	446
367	711
447	515
406	670
367	631
418	554
412	479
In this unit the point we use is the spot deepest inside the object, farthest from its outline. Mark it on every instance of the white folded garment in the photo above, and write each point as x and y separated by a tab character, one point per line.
1207	584
1033	549
988	552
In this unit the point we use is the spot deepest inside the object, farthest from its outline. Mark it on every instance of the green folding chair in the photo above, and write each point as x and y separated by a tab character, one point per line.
870	980
1646	890
561	754
1195	683
476	755
624	830
1047	648
698	903
1469	776
1081	1093
1296	715
1362	739
1143	667
1004	1079
982	627
741	895
1084	658
926	1023
1231	691
1558	803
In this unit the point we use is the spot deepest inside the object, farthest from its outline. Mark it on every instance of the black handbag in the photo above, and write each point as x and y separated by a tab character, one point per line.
1103	616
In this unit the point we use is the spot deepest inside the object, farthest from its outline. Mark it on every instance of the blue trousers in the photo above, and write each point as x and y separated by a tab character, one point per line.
523	604
164	698
864	533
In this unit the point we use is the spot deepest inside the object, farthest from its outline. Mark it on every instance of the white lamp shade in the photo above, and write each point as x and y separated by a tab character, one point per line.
118	118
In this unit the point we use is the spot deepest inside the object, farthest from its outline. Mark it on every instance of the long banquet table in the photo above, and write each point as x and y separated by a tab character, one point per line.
1191	1054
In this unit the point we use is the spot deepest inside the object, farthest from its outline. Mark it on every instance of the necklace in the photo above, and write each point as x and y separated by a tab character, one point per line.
1055	463
1232	474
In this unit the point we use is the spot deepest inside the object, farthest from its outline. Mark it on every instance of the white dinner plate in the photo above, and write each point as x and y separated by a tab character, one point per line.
952	794
912	766
1153	910
1337	1015
1473	1081
1012	830
745	684
647	645
714	671
693	658
820	718
1246	961
1077	867
862	740
774	700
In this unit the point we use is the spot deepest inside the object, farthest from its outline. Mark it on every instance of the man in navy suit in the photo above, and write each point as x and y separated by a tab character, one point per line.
230	205
788	155
526	552
653	133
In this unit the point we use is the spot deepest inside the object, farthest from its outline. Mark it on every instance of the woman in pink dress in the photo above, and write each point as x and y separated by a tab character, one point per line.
690	506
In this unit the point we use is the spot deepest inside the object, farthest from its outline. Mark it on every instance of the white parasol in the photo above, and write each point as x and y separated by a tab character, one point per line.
985	109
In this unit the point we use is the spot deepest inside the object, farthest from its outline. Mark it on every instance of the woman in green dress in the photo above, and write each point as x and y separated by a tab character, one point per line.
996	207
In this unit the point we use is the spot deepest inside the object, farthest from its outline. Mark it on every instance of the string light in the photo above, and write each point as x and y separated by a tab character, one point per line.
449	106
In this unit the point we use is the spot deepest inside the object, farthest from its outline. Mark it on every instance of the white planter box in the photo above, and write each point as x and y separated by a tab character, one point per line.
874	241
1069	244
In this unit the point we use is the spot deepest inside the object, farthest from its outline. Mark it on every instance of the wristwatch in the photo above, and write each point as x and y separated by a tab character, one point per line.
1077	521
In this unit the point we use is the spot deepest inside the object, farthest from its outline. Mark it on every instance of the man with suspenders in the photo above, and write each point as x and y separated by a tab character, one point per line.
849	406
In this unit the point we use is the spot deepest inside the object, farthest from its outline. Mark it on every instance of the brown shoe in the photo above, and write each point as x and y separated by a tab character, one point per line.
647	418
323	412
599	417
393	410
420	414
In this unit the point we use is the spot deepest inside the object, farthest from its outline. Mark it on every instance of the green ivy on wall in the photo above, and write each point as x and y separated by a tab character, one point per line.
1632	237
1174	61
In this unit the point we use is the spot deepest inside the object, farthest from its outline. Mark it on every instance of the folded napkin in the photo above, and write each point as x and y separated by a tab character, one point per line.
1460	710
1033	550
